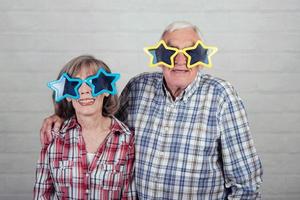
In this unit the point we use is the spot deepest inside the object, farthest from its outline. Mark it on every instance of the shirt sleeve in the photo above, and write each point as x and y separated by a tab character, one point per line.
122	113
241	164
129	191
43	187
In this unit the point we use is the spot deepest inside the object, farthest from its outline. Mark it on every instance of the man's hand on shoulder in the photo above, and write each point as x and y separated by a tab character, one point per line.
51	123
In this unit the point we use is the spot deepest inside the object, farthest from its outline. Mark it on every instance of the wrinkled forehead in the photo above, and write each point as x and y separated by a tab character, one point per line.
181	38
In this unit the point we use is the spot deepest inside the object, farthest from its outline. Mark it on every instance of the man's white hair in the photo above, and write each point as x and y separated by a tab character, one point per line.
177	25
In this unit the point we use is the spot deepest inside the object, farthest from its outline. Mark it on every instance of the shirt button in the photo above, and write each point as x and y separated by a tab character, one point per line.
87	191
87	175
161	156
166	128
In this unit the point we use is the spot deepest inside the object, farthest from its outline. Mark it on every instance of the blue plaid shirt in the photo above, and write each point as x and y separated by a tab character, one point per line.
197	146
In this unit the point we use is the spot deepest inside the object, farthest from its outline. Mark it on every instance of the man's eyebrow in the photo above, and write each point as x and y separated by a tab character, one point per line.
169	43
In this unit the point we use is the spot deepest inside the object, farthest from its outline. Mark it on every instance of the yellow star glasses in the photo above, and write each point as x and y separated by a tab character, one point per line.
162	54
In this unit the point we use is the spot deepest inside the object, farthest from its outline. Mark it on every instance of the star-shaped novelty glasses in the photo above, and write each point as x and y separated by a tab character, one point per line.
67	87
162	54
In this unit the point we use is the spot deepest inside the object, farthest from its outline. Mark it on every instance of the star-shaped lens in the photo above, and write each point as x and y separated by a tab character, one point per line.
65	87
103	82
161	54
199	54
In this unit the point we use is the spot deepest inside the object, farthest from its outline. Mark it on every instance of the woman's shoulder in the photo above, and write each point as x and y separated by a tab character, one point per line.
122	129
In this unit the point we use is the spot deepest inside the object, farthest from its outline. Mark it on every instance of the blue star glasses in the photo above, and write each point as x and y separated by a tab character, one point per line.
101	82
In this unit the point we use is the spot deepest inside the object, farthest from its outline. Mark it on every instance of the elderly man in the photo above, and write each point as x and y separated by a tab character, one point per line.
192	135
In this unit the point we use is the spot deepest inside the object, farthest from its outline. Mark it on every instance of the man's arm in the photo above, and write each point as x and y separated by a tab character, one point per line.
122	113
129	191
241	164
52	123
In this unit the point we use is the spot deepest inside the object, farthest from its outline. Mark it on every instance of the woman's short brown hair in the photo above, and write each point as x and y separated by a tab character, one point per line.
65	109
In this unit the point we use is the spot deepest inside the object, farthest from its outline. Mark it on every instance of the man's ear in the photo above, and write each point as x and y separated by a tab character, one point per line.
200	67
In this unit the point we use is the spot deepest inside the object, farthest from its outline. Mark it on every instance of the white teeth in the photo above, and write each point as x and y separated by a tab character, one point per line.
86	101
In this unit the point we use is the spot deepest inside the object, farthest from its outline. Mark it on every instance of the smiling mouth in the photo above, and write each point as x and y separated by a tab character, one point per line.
180	70
86	101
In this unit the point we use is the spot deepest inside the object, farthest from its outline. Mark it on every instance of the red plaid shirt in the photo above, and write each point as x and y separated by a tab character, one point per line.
63	172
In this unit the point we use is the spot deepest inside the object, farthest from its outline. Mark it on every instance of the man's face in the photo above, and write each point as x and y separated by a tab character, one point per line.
180	76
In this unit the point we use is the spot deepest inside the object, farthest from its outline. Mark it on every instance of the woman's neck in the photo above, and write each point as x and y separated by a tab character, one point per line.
94	130
94	123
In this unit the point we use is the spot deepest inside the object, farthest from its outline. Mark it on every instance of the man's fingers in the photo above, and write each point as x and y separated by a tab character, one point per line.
45	132
50	123
42	138
57	123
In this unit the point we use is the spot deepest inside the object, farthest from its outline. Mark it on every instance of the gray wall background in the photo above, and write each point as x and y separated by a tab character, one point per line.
258	43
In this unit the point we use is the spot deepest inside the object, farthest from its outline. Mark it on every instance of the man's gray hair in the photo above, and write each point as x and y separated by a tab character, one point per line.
177	25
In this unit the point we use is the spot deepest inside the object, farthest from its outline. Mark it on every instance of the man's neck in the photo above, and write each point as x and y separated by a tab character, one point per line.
176	92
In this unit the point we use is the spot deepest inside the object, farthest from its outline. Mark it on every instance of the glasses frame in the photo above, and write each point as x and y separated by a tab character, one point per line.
59	91
211	51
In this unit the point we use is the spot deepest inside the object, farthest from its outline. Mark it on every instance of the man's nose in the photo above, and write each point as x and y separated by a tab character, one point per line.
180	59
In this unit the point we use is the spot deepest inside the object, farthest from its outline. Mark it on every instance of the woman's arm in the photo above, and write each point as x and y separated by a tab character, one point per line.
43	187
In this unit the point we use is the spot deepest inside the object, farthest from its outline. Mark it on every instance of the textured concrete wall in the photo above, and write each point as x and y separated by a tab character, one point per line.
258	43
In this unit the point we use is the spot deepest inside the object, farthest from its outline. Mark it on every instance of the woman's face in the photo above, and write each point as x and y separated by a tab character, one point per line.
87	105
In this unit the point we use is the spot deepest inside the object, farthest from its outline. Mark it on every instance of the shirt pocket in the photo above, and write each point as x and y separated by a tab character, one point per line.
61	171
108	178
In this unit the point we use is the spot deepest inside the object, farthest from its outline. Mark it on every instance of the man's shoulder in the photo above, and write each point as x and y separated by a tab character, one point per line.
218	84
214	81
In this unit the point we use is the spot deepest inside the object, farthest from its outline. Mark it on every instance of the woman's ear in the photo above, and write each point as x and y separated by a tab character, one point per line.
69	99
106	94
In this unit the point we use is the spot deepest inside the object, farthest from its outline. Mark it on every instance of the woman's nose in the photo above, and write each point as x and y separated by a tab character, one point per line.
84	89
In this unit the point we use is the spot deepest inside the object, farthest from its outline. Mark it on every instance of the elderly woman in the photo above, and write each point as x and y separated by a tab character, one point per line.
92	156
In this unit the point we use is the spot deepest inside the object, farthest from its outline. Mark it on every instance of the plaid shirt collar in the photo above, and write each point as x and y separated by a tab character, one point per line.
72	123
184	96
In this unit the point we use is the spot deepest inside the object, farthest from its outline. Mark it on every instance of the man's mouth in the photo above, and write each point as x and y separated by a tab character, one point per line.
86	101
180	70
